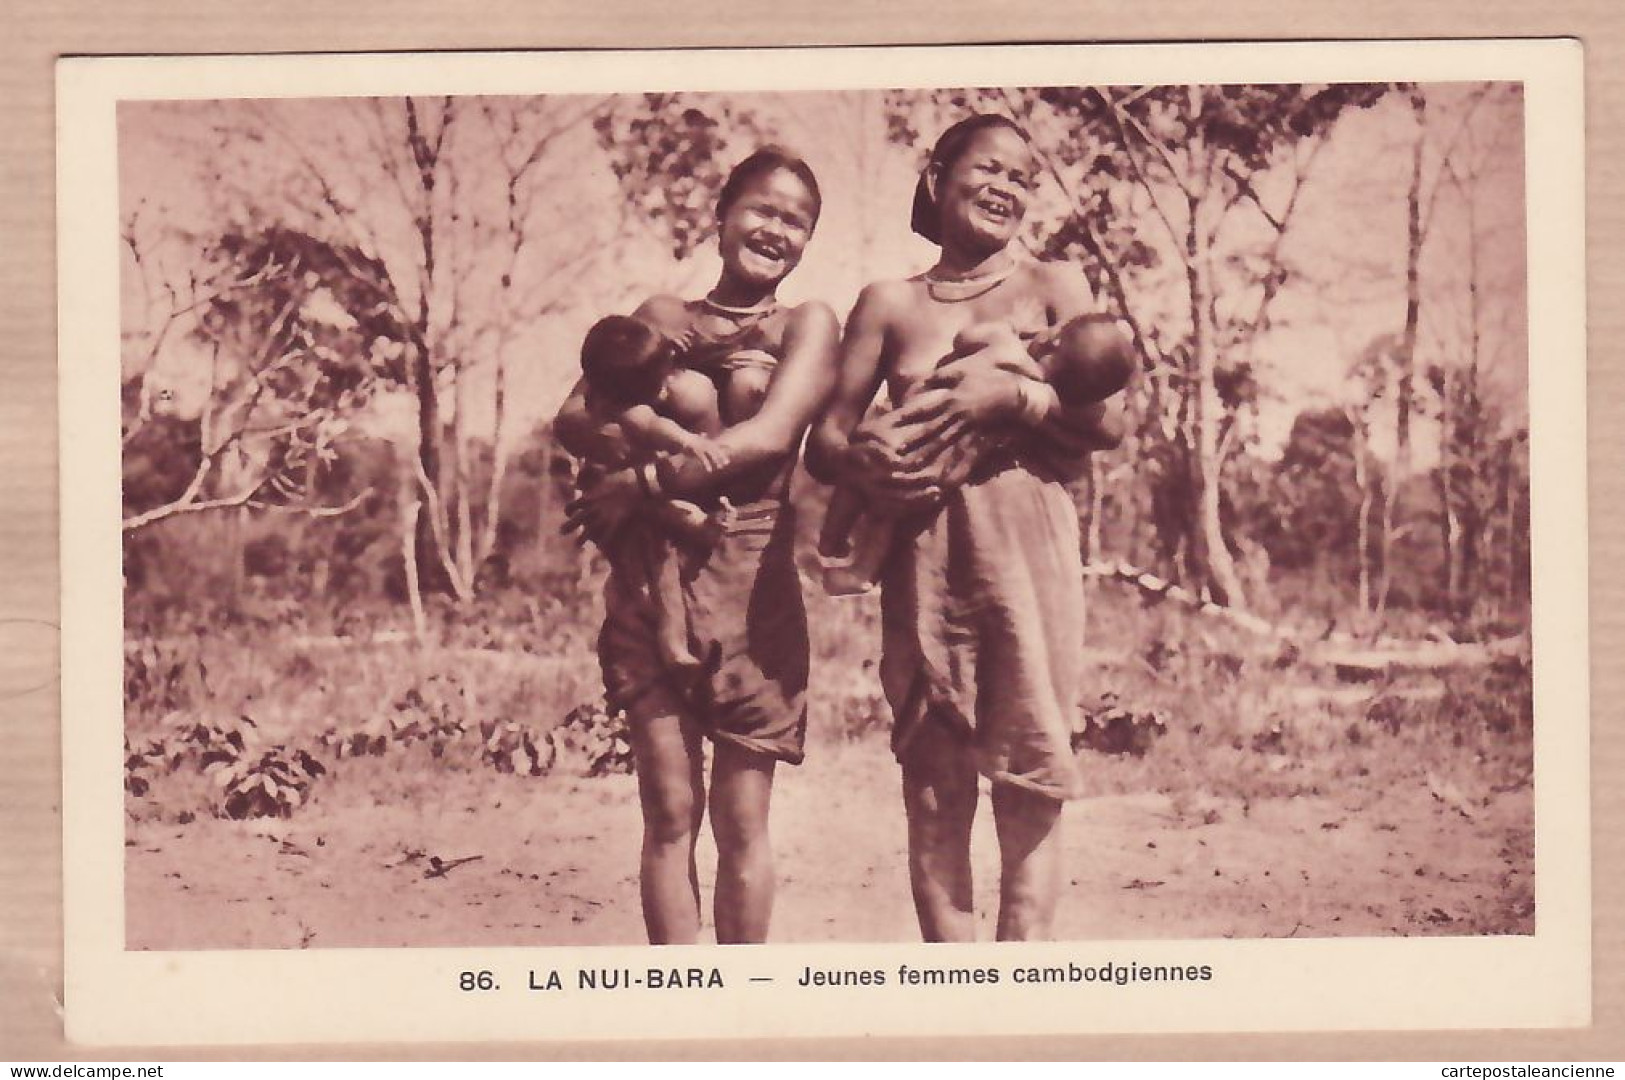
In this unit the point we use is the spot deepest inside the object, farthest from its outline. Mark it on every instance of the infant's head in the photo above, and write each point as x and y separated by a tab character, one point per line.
625	361
1089	360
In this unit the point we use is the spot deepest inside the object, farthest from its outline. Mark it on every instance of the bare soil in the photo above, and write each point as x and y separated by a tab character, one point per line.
372	860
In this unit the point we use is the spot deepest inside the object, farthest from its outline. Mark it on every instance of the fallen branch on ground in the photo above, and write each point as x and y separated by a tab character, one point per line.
1353	659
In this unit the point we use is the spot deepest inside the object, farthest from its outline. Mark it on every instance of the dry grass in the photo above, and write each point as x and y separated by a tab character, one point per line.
1236	720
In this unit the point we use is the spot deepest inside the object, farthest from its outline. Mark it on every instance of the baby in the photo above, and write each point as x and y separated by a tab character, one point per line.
1085	361
633	380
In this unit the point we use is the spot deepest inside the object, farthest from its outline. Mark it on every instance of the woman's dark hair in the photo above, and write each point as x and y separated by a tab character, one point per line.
625	361
951	146
763	163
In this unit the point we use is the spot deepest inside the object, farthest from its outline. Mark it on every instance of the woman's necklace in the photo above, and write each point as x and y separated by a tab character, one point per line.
952	290
733	324
761	307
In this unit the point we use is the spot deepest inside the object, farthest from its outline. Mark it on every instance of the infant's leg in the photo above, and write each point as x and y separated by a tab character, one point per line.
671	624
841	517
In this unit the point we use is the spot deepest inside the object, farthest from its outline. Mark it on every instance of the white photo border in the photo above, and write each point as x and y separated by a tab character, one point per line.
386	995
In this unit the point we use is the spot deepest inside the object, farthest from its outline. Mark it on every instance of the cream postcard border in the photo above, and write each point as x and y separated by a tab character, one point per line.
383	995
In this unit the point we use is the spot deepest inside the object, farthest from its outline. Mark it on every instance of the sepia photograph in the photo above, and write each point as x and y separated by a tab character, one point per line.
945	512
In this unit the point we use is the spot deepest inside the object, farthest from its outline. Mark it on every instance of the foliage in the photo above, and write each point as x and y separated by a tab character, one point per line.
1110	728
247	779
289	367
671	154
591	741
1313	501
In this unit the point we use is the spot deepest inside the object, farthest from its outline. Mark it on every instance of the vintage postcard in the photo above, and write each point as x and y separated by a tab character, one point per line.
1014	540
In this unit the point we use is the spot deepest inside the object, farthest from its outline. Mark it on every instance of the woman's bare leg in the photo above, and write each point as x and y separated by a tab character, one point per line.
671	790
939	798
741	795
1029	829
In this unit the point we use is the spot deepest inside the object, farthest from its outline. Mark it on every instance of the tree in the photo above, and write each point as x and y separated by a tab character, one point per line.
1472	330
1420	203
1317	502
469	209
287	369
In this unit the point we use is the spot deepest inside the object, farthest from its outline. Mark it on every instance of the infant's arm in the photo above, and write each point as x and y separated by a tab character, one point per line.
655	433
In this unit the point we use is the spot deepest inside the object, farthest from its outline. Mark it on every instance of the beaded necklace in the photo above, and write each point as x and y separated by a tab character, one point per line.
955	290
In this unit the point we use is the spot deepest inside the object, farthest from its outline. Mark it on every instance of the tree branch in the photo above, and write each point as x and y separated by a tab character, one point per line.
312	511
1120	116
186	504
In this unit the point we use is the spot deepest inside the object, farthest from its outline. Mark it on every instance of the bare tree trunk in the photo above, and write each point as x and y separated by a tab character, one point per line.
410	515
1097	510
1407	349
1473	413
1444	486
1213	564
425	155
1452	549
1362	530
463	523
499	466
428	451
1092	530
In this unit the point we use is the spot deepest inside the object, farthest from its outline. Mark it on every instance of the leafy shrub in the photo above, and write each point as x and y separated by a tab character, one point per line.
592	741
272	783
162	677
248	780
1109	728
512	747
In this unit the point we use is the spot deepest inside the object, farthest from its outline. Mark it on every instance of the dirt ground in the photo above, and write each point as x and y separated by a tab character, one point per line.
557	864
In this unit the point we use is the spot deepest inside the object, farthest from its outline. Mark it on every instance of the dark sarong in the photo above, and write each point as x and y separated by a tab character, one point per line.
982	609
742	609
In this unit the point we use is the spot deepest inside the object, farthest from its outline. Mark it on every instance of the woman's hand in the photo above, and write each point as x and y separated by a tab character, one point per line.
602	508
970	393
877	470
712	455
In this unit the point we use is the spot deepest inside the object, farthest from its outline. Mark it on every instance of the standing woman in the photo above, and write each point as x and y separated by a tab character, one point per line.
742	596
982	594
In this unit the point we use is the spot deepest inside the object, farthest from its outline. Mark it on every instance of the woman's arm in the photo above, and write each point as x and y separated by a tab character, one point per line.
858	379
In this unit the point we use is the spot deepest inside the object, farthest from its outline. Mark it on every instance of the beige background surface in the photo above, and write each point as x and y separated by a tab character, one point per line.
30	859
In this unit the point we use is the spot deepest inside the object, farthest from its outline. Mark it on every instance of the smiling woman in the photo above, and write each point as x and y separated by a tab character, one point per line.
736	602
982	586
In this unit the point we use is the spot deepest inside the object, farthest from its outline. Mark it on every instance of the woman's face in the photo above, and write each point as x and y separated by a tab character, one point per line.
983	195
767	228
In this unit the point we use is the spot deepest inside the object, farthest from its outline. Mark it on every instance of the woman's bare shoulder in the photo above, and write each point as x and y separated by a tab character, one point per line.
667	313
1063	282
890	297
812	313
1057	274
